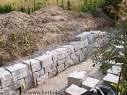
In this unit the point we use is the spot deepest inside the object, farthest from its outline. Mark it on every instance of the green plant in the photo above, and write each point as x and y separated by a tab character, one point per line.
5	8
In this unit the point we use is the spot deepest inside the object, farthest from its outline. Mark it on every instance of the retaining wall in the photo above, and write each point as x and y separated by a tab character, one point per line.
32	72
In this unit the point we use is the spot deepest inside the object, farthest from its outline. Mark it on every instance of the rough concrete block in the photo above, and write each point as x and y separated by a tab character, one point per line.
111	78
34	64
114	70
90	83
52	72
75	58
75	90
61	68
5	78
77	45
18	71
77	77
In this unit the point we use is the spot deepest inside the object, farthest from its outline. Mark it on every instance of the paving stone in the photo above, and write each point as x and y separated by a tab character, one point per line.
114	70
61	68
35	64
90	83
77	77
111	78
18	71
75	90
52	73
5	78
77	45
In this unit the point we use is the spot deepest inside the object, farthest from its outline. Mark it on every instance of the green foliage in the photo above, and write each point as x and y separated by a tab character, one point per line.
5	8
115	52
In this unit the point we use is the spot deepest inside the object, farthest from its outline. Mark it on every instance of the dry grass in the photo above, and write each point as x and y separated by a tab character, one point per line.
74	4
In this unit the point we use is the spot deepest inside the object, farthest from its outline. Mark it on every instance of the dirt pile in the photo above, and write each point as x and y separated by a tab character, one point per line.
22	34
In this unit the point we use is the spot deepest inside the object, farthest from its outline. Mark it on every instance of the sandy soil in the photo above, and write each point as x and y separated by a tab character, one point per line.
59	83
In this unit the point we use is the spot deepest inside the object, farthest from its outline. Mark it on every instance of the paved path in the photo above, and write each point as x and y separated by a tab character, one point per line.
56	85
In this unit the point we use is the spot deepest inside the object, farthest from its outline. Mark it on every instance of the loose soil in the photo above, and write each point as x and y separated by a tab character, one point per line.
22	34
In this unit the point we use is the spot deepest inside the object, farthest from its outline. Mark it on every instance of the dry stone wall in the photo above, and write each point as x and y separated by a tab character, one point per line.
32	72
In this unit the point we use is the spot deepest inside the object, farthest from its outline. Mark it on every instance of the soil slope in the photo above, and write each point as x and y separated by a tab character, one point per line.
22	34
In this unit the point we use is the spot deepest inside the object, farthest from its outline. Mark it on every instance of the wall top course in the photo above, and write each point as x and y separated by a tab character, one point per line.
3	73
15	67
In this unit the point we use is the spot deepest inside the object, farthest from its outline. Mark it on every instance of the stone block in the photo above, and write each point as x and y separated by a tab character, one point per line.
46	61
75	90
34	64
75	59
114	70
42	79
90	83
52	72
111	78
61	61
77	45
4	91
5	78
63	53
61	68
70	48
82	36
29	82
68	63
39	73
77	53
18	71
55	55
77	77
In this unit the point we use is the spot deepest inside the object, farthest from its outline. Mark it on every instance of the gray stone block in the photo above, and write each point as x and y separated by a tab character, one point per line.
18	71
63	53
42	79
5	78
61	68
46	61
70	48
77	77
61	61
55	55
90	83
75	90
77	45
82	36
75	59
68	63
52	72
34	64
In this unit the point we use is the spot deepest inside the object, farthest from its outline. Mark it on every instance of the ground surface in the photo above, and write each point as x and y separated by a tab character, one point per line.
59	83
22	34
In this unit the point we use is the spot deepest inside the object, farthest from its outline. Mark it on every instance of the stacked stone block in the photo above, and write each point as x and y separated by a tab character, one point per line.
35	71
